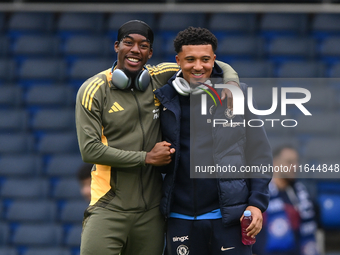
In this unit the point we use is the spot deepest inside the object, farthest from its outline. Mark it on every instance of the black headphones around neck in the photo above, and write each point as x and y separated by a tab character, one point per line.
122	81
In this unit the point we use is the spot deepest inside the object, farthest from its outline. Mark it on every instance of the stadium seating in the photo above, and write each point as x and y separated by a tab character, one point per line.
30	23
72	211
66	188
13	120
10	96
63	165
8	251
45	251
46	56
53	120
35	46
28	188
45	95
16	143
4	46
33	211
37	234
58	143
278	24
232	24
70	23
7	68
253	69
240	47
20	165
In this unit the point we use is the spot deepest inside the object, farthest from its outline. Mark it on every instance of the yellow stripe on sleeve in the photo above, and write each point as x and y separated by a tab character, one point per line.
96	87
87	88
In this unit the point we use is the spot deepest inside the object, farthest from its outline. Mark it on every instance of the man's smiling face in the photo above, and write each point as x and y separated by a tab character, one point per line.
133	51
196	62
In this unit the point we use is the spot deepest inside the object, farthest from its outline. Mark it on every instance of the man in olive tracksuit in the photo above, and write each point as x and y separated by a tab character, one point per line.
118	129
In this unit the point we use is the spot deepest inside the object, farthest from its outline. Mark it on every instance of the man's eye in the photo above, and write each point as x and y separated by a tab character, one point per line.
206	59
190	59
127	42
144	46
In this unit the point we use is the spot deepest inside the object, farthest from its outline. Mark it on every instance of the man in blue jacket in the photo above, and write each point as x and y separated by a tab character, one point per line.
203	215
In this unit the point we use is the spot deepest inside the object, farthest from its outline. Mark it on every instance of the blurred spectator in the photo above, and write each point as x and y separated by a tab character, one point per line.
289	222
84	177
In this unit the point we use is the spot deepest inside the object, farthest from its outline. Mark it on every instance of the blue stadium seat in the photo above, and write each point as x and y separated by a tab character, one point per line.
31	211
303	69
50	95
315	125
73	211
274	127
4	46
87	46
329	210
37	235
276	141
29	188
66	188
318	150
170	24
329	49
8	251
240	47
36	46
53	120
159	46
16	143
83	69
325	24
73	236
80	23
4	233
61	142
277	24
63	165
334	71
42	70
13	120
20	165
221	24
291	48
30	23
253	69
47	251
323	98
10	96
116	20
7	69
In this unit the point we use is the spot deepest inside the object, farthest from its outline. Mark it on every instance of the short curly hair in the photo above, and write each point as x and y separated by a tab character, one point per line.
195	36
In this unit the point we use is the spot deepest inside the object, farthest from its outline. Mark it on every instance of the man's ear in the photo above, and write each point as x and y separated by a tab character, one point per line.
178	61
150	53
116	46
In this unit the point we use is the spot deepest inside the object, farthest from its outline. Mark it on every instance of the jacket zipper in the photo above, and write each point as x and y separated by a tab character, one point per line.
143	144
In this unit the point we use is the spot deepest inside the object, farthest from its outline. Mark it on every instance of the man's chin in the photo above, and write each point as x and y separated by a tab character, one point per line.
131	73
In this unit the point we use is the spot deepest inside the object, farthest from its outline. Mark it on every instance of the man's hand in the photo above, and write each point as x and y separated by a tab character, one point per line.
160	154
256	224
227	93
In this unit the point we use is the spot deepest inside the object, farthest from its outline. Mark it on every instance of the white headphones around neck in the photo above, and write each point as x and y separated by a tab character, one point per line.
122	81
183	88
